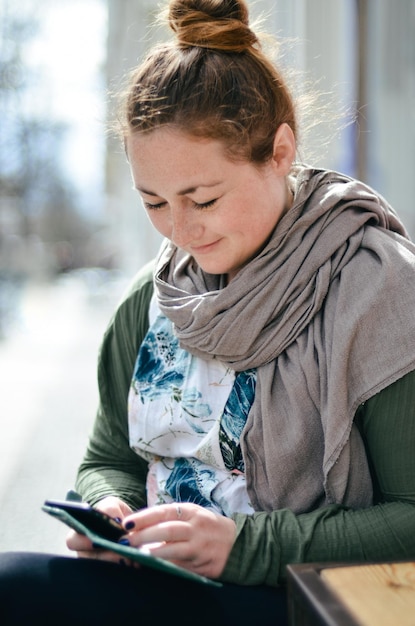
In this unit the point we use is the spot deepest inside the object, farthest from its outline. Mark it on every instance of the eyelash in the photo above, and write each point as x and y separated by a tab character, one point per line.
155	207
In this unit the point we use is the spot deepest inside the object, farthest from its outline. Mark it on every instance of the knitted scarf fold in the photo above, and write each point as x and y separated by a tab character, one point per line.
325	314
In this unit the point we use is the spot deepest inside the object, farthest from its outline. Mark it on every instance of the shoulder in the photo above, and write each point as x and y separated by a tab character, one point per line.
142	281
140	290
130	321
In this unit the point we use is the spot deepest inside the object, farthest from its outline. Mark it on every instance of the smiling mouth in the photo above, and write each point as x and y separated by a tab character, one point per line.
205	248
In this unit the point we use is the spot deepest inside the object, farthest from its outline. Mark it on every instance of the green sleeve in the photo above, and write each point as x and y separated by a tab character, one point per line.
109	466
267	542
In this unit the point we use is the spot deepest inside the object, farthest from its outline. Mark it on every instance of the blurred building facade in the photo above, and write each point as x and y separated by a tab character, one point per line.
359	54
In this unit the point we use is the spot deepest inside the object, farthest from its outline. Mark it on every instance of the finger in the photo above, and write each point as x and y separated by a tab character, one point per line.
77	542
103	555
175	551
114	507
165	532
156	515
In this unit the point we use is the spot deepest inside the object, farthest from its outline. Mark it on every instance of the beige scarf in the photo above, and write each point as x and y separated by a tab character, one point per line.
326	312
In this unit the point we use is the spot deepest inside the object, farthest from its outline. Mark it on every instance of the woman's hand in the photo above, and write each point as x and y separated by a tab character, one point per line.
186	534
83	546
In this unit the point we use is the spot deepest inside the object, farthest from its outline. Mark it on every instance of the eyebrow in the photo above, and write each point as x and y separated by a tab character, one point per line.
183	192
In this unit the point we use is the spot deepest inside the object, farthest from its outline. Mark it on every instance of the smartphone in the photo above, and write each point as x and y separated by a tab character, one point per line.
96	521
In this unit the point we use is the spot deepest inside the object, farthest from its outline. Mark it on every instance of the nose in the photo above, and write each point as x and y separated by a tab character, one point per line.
186	226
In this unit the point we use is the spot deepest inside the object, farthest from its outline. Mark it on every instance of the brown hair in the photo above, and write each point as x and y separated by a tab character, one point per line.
213	81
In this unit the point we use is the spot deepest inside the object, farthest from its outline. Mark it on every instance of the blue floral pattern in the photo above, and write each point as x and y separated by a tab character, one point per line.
183	484
234	418
186	416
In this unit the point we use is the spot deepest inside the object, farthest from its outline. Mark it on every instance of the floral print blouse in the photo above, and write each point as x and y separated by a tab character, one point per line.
186	416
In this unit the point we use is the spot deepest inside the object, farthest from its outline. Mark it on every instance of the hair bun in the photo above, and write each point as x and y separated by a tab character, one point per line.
214	24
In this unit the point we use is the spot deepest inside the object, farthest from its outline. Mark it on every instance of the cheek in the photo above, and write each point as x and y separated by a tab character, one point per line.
161	222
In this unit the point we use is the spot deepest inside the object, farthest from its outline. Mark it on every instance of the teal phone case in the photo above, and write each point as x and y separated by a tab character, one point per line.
135	554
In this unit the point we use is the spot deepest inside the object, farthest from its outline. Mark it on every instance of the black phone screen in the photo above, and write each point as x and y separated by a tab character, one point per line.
95	520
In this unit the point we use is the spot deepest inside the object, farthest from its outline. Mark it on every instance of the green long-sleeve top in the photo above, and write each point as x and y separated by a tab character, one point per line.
265	542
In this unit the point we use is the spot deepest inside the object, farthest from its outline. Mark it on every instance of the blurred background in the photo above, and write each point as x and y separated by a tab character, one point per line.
72	231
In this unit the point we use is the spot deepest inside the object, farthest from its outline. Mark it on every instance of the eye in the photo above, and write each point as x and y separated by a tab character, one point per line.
204	205
153	207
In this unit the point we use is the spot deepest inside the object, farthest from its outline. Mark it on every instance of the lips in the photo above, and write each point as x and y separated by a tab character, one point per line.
206	248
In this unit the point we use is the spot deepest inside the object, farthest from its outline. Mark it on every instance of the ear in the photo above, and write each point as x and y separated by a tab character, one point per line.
284	150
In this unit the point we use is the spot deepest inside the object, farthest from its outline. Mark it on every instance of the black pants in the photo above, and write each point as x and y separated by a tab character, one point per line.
62	591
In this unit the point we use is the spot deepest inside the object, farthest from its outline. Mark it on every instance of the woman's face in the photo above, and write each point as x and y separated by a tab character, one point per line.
221	212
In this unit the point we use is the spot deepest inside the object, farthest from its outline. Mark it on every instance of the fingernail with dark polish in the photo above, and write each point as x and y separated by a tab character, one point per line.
124	542
129	525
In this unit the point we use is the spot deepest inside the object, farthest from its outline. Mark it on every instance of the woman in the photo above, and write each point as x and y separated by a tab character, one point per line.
257	382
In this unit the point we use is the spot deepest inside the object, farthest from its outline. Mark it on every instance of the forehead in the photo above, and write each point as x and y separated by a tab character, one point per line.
168	154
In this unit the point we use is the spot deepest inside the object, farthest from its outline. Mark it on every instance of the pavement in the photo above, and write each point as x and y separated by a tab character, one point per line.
48	400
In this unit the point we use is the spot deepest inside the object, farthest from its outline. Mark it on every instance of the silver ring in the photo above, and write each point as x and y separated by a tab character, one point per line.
178	511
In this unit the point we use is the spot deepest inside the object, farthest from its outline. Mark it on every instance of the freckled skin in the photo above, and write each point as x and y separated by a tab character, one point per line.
220	211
